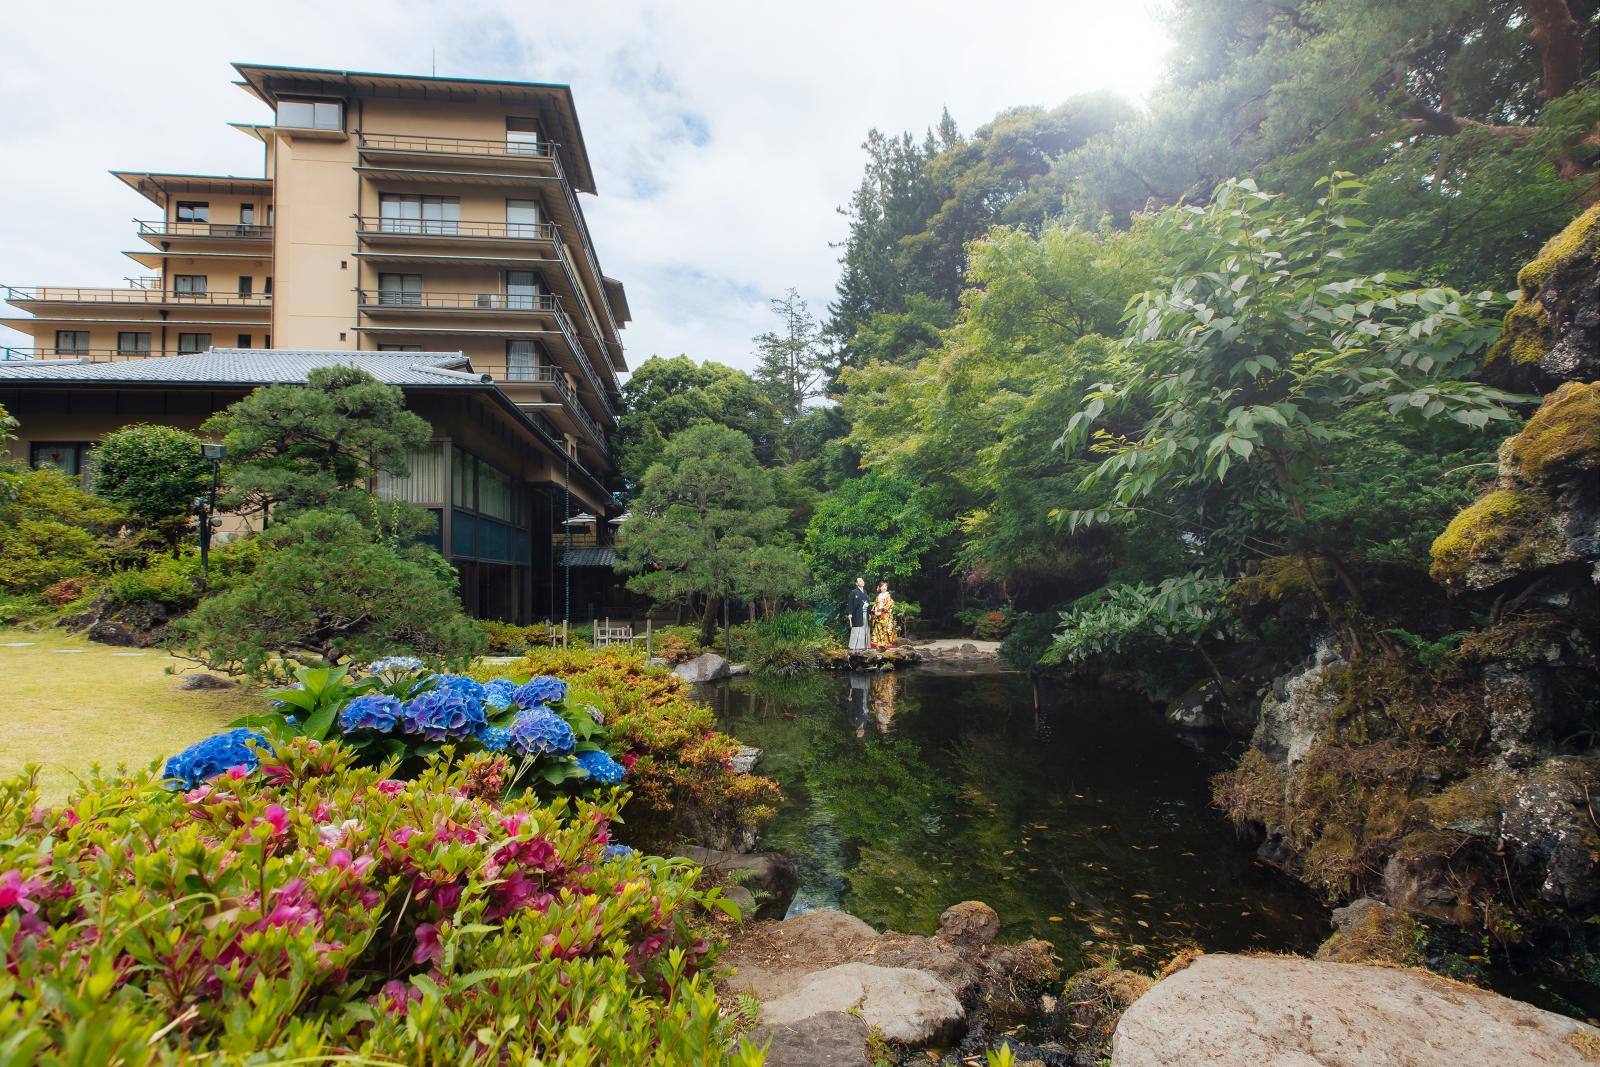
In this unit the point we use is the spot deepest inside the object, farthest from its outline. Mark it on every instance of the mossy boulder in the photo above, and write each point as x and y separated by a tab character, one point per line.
1502	535
1091	1005
1369	931
1552	335
1562	440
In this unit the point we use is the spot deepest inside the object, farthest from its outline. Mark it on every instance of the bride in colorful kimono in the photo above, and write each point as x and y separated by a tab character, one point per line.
883	627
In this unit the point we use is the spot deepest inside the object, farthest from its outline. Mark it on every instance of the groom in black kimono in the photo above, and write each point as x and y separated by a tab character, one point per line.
860	603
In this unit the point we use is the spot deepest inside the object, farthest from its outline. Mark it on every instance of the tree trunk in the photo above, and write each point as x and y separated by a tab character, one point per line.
1559	39
708	621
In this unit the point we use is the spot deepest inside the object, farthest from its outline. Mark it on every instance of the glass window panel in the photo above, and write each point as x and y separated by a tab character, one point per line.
400	290
189	284
64	456
523	360
133	344
194	211
72	342
193	342
425	483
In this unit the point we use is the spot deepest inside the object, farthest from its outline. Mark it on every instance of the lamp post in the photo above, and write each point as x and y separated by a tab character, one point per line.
206	506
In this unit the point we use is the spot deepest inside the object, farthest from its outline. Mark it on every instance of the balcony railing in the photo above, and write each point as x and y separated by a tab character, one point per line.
456	146
548	375
60	294
237	231
386	299
90	355
370	226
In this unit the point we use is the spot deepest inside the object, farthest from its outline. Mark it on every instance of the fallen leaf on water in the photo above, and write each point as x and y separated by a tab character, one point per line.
1055	918
1144	924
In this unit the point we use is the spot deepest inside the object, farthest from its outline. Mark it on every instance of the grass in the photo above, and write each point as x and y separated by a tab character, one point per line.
70	711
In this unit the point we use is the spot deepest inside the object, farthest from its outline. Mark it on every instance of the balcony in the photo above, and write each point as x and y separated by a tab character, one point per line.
230	231
140	297
87	355
374	229
406	147
552	378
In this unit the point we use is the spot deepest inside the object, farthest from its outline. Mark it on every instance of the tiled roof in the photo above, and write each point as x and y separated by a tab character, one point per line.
252	366
588	557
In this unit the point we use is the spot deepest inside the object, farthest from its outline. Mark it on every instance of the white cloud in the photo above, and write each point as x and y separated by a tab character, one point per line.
723	135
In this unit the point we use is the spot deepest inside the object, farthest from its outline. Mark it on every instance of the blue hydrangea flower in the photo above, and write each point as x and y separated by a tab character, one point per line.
442	715
395	665
601	767
499	693
470	688
495	738
217	753
541	690
614	852
377	712
542	733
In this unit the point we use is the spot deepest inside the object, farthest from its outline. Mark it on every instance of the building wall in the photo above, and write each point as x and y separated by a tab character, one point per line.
314	295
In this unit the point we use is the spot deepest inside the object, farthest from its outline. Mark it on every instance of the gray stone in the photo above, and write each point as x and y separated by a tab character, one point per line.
746	759
1519	703
909	1007
972	924
771	874
1234	1010
706	667
1294	714
659	662
738	670
192	682
745	900
1204	706
826	1039
1547	827
115	633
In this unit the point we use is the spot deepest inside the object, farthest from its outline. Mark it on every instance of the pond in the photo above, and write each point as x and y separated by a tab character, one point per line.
1080	817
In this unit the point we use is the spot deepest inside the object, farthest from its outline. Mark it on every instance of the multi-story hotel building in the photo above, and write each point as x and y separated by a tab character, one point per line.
393	214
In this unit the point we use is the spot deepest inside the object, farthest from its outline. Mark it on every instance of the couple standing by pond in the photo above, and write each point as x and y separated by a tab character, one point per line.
871	618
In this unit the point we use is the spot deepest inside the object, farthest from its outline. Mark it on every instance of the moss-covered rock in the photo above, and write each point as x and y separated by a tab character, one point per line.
1553	333
1503	534
1561	441
1091	1005
1369	931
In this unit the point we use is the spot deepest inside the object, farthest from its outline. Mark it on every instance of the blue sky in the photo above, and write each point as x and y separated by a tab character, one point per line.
723	135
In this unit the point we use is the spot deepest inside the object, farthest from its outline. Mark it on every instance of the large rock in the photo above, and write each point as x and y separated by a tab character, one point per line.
1553	333
910	1007
1235	1010
1296	713
193	682
826	1039
1548	829
770	874
1370	931
706	667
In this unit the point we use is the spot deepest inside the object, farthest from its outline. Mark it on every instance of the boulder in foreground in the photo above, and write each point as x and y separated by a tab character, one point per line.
1234	1010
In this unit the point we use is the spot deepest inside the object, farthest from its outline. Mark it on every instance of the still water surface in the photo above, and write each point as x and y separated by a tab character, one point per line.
1080	817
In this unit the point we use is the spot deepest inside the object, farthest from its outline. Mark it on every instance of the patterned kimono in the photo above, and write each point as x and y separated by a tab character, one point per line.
883	628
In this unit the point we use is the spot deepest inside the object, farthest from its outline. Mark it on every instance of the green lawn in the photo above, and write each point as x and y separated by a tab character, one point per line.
68	710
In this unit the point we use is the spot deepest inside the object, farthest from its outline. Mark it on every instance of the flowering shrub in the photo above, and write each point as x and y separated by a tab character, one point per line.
444	714
317	910
216	754
678	764
542	733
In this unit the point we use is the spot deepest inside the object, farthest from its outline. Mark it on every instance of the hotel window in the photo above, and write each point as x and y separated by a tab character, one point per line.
399	348
72	342
523	289
244	341
245	285
189	284
247	214
266	286
193	342
522	218
65	456
522	137
193	211
311	114
133	344
400	290
524	361
419	214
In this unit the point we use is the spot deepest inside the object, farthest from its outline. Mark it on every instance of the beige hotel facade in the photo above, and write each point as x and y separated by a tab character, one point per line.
393	214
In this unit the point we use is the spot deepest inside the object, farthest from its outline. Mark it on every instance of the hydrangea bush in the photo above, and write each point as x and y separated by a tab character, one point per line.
314	909
399	714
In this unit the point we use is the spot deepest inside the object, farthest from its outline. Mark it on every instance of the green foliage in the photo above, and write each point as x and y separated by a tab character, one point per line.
306	447
154	473
8	427
663	397
175	581
789	642
50	529
793	365
508	639
402	936
877	527
702	515
324	592
1119	619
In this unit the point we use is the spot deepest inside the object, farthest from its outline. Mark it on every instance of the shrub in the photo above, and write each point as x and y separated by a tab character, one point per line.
679	764
66	591
316	911
789	642
507	639
324	592
50	529
155	472
676	643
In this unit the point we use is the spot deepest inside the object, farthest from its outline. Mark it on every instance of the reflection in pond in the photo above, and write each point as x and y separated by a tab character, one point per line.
1079	817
